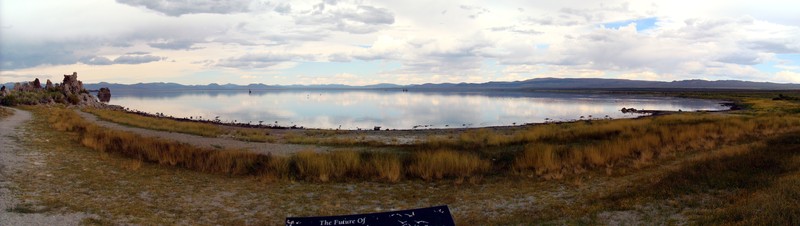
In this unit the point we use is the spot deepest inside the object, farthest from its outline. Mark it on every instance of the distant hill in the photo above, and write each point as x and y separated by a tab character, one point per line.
531	84
608	84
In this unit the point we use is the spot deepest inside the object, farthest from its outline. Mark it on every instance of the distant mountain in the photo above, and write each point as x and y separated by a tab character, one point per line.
531	84
215	86
172	86
609	84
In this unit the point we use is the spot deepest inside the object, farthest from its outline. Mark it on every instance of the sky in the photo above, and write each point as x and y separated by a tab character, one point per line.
402	42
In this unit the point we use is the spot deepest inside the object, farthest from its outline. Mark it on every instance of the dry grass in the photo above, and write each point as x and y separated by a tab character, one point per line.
230	162
196	128
439	164
163	124
307	165
5	112
635	143
750	184
315	137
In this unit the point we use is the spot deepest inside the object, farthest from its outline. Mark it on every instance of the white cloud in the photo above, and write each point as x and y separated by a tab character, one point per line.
181	7
788	76
430	41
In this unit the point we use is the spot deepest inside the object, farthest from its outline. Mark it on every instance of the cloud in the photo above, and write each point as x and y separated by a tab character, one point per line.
283	8
174	45
457	57
124	59
257	60
181	7
420	41
516	29
137	53
17	55
98	60
474	11
789	76
357	19
129	59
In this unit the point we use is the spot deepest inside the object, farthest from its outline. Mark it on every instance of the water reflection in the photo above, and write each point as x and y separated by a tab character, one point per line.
395	109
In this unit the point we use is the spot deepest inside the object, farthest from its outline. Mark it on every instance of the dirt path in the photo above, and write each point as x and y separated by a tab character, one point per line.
15	159
206	142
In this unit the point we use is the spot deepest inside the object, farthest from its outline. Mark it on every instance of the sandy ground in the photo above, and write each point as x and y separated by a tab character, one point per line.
15	159
207	142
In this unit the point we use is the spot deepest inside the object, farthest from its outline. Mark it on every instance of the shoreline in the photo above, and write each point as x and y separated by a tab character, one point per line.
732	106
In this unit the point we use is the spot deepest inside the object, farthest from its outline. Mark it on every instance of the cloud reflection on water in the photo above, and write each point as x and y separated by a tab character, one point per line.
393	109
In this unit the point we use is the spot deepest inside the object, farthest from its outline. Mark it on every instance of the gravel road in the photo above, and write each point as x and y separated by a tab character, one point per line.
14	158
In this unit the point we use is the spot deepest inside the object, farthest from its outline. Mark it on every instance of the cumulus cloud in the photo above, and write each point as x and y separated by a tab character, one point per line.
358	19
181	7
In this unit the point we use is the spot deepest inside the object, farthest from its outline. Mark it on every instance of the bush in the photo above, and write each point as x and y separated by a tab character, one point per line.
73	99
9	100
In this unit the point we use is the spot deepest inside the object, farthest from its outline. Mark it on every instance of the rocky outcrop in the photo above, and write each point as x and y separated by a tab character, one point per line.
36	84
71	91
26	86
104	95
71	85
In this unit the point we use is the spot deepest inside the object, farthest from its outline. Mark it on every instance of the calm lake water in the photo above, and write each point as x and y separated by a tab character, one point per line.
395	109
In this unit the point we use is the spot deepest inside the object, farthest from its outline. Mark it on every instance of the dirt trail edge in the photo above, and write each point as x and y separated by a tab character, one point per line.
14	158
206	142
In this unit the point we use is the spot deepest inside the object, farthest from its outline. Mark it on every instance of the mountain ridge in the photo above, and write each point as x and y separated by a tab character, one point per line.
530	84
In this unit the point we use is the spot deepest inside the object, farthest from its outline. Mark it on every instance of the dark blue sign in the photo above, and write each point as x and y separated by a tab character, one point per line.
432	216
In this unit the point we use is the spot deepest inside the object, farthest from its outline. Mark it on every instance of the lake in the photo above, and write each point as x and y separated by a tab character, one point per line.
365	109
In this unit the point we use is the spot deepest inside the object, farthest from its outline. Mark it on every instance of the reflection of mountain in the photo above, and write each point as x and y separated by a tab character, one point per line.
532	84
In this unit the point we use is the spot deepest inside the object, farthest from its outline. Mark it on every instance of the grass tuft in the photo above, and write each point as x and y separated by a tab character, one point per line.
439	164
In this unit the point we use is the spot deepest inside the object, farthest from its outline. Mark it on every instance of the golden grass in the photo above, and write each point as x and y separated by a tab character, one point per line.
147	149
348	165
439	164
306	165
635	143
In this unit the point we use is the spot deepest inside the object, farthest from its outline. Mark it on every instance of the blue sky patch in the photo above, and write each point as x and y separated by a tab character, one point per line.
771	66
